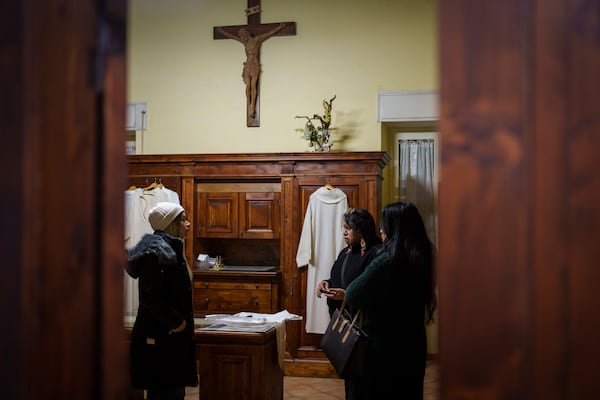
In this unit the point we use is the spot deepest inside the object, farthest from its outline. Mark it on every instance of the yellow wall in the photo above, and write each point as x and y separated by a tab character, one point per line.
350	48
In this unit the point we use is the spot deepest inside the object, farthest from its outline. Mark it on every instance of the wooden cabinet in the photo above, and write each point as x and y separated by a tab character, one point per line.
250	214
249	208
239	365
229	292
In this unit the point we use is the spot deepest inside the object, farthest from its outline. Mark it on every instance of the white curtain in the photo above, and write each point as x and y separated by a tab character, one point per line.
417	179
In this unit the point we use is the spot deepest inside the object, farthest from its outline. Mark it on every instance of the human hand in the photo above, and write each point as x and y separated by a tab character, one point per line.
322	287
335	294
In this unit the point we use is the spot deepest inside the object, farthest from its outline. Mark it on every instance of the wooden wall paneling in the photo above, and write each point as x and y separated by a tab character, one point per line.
288	295
187	199
372	190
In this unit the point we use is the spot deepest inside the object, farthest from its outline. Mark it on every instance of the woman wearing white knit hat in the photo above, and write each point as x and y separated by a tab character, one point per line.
162	350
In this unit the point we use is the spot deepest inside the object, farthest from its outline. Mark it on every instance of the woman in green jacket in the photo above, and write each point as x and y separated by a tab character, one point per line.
396	292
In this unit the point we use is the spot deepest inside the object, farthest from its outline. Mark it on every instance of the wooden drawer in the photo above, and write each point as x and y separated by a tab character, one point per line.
215	285
207	301
230	297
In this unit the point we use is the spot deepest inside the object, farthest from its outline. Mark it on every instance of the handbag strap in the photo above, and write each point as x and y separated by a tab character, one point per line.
355	317
352	324
341	312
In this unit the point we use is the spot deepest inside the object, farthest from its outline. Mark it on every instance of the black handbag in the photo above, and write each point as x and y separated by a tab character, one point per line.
345	344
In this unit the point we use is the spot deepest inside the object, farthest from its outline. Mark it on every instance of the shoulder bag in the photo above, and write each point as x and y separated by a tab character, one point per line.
344	342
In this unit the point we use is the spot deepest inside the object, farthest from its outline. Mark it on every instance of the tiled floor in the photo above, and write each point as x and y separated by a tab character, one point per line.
299	388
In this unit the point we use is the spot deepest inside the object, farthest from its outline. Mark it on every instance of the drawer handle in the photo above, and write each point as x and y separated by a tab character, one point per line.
206	284
257	285
256	302
207	300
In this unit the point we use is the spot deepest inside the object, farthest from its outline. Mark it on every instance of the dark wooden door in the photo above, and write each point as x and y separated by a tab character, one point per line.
63	157
519	199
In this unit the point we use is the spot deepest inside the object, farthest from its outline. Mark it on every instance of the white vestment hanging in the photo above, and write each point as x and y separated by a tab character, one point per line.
321	240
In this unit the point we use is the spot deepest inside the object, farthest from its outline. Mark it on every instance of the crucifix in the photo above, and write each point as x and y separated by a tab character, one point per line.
251	36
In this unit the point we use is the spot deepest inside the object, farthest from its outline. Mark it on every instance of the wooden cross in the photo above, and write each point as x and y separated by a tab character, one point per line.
251	36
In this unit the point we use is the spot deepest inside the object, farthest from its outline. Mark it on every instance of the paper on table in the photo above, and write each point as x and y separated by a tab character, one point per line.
236	319
220	326
279	317
250	318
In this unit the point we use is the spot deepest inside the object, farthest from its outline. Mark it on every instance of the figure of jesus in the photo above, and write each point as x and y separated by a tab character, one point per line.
251	71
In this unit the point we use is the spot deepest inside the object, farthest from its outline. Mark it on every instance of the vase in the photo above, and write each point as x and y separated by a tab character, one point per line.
322	148
326	147
325	143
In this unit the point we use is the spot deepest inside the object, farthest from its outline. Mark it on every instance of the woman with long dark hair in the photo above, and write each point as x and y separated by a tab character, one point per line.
396	292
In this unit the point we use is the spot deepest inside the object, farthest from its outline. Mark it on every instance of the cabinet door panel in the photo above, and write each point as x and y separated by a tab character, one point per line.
259	215
217	214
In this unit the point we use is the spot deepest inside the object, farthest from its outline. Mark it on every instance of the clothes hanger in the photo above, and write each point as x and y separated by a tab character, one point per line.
132	187
328	185
151	186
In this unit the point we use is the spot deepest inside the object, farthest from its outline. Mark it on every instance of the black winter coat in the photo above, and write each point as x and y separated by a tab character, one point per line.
349	264
158	360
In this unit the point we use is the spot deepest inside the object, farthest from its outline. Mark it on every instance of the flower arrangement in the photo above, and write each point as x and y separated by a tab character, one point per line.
318	135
